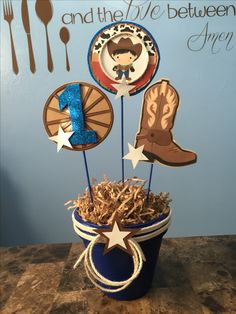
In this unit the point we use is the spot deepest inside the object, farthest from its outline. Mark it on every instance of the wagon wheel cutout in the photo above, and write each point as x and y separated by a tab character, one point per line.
97	113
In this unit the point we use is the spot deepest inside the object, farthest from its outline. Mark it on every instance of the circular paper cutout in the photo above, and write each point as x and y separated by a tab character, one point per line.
95	116
123	51
118	63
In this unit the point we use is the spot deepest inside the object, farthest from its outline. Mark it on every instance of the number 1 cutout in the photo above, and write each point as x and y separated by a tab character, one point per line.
71	97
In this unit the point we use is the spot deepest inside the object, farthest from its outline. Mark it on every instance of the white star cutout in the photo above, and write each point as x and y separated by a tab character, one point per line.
135	155
123	89
62	139
116	236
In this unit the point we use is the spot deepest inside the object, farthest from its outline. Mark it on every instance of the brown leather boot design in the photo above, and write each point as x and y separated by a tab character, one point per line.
160	104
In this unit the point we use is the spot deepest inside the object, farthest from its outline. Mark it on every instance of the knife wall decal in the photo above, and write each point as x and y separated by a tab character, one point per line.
26	24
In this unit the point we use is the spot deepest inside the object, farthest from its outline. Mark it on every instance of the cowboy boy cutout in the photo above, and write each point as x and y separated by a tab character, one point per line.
124	53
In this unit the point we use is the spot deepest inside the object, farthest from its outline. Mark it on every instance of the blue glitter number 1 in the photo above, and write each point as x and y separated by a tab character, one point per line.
71	97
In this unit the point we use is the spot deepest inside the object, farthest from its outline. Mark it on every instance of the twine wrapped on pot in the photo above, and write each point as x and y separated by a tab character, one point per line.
88	232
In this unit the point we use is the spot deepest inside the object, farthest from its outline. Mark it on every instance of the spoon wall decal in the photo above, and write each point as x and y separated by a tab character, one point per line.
44	12
65	37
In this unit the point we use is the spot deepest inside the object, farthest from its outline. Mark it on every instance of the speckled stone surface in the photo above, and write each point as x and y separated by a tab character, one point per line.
193	275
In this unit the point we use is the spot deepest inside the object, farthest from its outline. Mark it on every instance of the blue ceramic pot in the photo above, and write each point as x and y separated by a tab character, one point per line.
117	265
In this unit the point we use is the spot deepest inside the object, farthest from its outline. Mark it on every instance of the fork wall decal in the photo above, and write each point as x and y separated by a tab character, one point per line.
9	16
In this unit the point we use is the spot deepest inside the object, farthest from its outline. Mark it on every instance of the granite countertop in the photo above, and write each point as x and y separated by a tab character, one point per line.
194	275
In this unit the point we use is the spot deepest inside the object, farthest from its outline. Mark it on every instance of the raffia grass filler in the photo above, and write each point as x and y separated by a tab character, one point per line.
128	199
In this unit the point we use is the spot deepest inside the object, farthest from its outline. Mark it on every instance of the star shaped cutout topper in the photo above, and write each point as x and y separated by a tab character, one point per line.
135	155
62	138
123	89
117	236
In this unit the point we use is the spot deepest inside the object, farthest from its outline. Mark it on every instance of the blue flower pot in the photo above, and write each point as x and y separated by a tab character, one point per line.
117	265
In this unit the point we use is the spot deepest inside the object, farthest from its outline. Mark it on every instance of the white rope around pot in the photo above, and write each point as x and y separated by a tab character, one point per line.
94	275
87	232
138	257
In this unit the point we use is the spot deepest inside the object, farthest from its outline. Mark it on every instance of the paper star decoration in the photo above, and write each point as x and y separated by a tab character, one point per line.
117	236
123	89
62	138
135	155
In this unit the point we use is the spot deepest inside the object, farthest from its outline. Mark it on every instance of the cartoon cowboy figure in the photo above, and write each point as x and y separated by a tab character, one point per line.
124	53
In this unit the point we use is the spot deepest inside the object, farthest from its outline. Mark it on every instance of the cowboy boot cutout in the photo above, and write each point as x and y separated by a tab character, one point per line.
160	104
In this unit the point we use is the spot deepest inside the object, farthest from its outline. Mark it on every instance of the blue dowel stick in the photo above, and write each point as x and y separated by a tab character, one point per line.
149	182
87	175
122	139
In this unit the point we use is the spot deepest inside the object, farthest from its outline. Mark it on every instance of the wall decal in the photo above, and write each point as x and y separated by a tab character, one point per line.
26	24
44	11
65	37
8	17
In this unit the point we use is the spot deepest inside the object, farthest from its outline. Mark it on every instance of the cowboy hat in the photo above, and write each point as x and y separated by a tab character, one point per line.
124	44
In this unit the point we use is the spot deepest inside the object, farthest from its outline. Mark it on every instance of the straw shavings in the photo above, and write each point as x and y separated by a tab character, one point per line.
128	199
